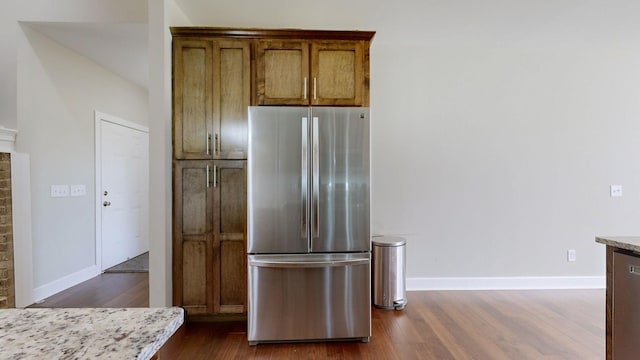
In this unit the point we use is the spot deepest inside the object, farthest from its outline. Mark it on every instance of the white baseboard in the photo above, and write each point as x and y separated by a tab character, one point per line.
54	287
506	283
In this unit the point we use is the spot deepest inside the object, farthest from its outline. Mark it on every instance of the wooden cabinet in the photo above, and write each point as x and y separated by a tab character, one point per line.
212	90
327	72
217	74
209	251
282	72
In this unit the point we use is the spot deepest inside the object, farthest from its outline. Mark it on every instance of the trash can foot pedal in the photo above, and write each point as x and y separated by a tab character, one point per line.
399	304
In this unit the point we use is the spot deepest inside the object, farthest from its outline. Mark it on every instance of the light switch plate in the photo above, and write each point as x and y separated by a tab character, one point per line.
59	190
78	190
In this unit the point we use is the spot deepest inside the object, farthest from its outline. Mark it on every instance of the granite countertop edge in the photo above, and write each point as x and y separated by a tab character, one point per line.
162	338
631	243
86	333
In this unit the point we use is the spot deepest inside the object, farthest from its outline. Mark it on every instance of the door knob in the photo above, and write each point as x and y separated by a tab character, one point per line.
106	203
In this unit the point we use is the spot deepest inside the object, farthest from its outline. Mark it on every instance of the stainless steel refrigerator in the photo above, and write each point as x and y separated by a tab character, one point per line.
308	224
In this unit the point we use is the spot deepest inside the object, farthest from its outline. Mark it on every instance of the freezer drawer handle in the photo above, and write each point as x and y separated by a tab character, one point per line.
309	264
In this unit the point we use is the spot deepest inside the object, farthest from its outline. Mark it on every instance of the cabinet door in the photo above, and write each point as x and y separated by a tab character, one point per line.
337	73
230	254
193	99
231	98
282	70
193	236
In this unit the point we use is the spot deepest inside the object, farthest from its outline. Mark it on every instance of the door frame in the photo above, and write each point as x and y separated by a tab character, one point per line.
99	117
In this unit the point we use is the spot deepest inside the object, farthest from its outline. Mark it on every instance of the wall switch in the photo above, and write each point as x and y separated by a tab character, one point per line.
616	190
78	190
571	255
59	190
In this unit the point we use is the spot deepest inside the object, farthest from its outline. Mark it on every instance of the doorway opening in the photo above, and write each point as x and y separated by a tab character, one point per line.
122	200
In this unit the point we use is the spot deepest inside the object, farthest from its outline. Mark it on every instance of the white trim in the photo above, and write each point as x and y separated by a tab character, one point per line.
118	121
506	283
22	241
56	286
100	116
7	139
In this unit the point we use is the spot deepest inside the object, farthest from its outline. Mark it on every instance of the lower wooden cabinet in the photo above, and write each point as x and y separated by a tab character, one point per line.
209	236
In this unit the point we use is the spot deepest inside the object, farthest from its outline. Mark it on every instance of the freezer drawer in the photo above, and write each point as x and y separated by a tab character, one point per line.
309	297
626	313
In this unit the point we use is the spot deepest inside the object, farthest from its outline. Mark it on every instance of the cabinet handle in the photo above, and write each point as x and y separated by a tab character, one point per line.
314	89
304	88
217	144
207	176
215	176
208	144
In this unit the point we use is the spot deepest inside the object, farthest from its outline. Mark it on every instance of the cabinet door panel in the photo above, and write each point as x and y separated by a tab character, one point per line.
282	73
193	101
338	73
232	78
233	276
230	241
233	200
193	234
194	275
194	201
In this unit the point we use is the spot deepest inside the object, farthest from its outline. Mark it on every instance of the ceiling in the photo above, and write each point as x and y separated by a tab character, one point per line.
121	48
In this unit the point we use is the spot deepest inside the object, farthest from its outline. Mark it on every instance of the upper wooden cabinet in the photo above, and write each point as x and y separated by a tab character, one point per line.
312	72
211	91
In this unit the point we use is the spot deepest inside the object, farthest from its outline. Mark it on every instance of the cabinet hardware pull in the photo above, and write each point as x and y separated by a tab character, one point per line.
207	176
208	144
304	88
215	176
314	89
217	144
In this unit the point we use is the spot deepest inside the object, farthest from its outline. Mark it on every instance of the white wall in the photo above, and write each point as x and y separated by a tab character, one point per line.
162	14
498	126
8	80
58	91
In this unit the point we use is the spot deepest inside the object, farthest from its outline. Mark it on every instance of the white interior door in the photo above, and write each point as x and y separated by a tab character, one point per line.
123	192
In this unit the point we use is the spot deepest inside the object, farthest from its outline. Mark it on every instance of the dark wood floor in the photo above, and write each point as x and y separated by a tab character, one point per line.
106	290
533	324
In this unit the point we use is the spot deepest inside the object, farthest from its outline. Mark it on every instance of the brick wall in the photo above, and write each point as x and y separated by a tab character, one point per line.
7	289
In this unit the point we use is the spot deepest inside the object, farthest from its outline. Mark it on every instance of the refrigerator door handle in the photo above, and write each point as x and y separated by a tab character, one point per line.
304	179
316	181
307	264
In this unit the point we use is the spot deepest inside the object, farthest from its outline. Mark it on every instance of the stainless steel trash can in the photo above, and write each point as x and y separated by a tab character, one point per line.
388	264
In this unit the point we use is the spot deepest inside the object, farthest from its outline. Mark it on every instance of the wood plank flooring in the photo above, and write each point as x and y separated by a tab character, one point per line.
106	290
531	324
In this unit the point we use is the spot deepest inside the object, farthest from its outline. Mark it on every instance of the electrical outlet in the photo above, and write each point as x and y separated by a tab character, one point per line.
571	255
59	190
616	190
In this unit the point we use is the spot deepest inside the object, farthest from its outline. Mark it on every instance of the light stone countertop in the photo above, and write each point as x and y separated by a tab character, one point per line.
631	243
88	333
